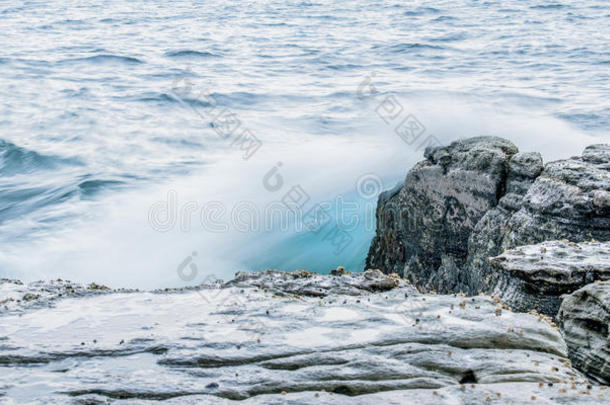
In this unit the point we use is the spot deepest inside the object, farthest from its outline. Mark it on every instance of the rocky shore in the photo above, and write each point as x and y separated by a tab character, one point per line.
480	217
281	338
488	282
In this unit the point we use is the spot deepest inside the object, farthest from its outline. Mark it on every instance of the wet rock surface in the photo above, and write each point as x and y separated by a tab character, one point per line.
16	296
537	276
304	283
253	342
585	319
479	197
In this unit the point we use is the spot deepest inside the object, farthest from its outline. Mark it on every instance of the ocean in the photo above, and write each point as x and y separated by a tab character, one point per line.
161	144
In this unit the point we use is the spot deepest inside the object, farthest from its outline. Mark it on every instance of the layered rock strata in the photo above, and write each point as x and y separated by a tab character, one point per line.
585	321
267	342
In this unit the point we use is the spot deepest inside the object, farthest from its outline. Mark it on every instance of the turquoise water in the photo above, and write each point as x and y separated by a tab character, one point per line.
106	106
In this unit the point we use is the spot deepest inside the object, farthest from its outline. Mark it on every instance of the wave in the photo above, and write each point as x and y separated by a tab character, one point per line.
422	11
17	160
169	99
106	58
399	48
458	36
92	187
444	18
38	201
547	6
190	54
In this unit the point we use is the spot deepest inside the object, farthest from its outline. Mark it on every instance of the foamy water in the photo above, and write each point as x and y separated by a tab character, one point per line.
109	108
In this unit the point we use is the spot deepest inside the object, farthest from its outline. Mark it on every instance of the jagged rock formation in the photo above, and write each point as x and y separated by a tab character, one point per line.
536	276
569	200
423	227
256	340
585	320
478	197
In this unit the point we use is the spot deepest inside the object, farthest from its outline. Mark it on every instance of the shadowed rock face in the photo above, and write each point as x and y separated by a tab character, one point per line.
423	227
476	198
253	339
536	276
585	320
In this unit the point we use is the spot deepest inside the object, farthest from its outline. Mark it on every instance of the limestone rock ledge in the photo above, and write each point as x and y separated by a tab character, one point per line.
537	276
264	342
585	320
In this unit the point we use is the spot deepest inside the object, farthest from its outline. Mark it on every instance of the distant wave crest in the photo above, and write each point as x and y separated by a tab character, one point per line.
190	54
17	160
107	58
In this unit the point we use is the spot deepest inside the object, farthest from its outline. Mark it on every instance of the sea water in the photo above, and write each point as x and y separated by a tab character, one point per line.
154	144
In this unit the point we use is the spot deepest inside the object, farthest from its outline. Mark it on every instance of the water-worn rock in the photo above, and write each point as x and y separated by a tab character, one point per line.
478	197
302	282
585	319
536	276
17	296
266	346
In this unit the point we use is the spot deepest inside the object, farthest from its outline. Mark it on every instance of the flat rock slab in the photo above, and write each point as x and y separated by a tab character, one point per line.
585	320
210	345
536	276
480	394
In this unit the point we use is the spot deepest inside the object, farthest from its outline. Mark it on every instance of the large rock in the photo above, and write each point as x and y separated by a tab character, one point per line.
585	319
569	200
423	227
536	276
255	340
477	198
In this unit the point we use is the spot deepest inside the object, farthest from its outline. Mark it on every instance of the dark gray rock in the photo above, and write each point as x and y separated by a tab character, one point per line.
477	198
585	319
423	228
536	276
569	200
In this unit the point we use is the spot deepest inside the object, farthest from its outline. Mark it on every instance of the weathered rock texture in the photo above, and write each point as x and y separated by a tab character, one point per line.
585	319
302	282
17	296
267	342
423	227
536	276
478	197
